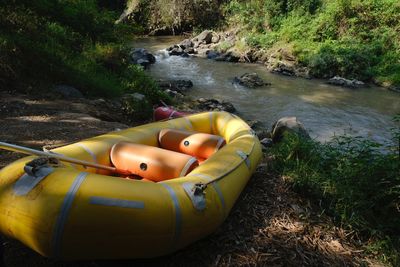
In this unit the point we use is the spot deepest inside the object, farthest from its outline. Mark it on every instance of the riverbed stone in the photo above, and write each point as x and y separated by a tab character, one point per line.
204	37
228	57
288	125
211	54
211	104
215	38
189	50
176	51
250	80
174	93
180	86
140	56
283	69
340	81
186	43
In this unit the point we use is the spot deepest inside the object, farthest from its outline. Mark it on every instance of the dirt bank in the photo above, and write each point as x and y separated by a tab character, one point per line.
270	225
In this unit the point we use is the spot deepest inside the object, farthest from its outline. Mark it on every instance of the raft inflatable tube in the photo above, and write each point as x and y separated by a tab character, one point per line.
199	145
151	163
71	212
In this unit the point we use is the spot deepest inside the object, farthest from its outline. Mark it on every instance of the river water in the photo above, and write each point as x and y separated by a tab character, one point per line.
325	110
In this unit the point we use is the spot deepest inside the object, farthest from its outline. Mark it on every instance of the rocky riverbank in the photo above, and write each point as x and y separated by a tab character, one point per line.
227	46
222	46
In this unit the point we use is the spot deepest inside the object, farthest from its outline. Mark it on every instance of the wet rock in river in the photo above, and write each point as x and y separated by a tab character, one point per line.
141	56
176	51
288	125
250	80
284	69
215	105
212	54
175	94
228	57
184	49
340	81
189	50
186	44
180	86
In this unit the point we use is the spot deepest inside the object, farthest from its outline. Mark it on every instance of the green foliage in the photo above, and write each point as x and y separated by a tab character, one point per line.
72	42
332	58
352	38
352	178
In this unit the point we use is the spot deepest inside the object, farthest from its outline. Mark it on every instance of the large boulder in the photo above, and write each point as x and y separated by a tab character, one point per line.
204	37
250	80
186	44
288	125
340	81
141	56
215	38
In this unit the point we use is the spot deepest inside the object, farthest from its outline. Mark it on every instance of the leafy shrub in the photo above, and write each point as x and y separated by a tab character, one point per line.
352	38
354	179
348	59
69	42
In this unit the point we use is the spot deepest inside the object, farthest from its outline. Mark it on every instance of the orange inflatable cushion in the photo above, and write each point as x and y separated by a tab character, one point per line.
152	163
199	145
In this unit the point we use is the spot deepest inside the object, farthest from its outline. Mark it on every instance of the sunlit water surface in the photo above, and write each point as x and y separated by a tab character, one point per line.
325	110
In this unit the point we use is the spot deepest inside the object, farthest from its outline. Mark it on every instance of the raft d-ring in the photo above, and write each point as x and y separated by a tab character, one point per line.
196	195
245	157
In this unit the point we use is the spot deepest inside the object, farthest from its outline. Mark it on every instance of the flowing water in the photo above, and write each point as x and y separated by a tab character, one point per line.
325	110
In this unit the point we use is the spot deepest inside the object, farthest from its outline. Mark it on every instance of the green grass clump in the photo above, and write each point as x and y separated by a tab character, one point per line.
355	180
352	38
70	42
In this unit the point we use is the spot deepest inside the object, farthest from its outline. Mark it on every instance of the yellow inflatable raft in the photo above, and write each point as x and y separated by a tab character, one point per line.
72	212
